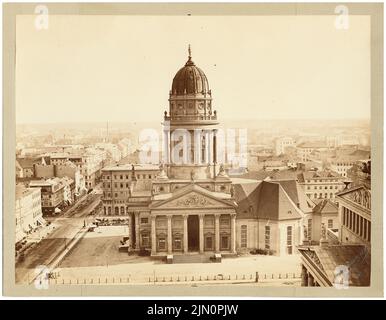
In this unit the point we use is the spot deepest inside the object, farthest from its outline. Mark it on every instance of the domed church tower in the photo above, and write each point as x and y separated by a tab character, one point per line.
190	127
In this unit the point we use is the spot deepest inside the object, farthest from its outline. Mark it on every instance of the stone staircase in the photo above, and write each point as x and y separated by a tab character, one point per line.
192	258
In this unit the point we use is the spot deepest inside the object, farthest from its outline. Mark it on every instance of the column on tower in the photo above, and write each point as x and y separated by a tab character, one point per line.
197	146
209	158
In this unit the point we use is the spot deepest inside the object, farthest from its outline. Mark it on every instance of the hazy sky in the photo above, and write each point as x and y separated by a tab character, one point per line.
120	68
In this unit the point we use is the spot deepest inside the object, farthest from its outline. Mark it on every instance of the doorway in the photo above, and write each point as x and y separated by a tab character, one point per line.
193	233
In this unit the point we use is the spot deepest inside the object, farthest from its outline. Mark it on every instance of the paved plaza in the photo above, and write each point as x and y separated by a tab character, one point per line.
96	258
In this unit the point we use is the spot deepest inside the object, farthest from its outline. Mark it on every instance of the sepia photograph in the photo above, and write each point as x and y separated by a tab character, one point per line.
197	149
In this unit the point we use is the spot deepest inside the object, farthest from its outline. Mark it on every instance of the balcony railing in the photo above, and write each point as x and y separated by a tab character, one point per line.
190	117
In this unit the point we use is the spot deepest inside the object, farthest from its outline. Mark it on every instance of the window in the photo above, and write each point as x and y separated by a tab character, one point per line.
224	242
177	243
121	177
267	237
244	234
127	177
145	240
144	220
122	210
289	239
121	185
161	243
330	223
209	242
116	210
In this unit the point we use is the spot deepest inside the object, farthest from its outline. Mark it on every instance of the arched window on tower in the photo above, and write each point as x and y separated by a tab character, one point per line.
203	149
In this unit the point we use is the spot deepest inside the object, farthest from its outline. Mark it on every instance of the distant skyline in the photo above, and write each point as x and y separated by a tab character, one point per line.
120	68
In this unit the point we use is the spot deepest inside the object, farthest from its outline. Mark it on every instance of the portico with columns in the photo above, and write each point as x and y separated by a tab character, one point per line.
193	220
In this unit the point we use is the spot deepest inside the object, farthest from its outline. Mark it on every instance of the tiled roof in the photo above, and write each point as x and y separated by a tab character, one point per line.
28	162
307	175
297	195
325	206
273	175
266	200
356	257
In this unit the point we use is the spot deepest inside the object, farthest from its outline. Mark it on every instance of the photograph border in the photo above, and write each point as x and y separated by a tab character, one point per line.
11	10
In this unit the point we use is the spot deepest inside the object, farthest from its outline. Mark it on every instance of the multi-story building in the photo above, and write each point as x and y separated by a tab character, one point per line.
61	169
89	161
122	183
308	151
343	258
355	215
28	211
113	152
343	163
52	193
281	144
27	166
321	184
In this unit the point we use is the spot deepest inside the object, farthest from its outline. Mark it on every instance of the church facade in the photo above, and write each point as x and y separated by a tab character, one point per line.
189	204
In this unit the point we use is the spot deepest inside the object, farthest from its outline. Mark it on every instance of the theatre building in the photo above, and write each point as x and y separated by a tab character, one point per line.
345	260
189	204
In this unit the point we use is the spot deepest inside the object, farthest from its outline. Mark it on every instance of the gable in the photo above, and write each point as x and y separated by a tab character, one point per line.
193	199
360	196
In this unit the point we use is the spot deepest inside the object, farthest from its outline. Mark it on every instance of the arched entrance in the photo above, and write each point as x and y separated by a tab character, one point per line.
193	233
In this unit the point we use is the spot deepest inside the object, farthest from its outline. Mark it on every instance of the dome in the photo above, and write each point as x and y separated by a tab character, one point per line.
190	80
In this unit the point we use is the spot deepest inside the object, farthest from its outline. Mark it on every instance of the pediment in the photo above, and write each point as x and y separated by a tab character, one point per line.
193	199
361	196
